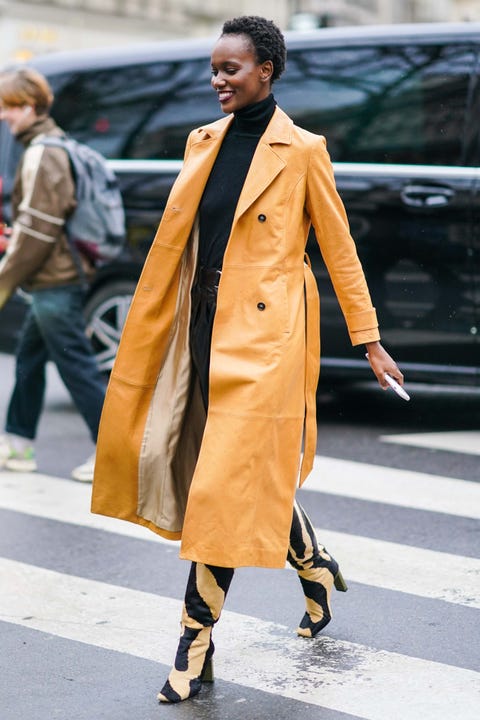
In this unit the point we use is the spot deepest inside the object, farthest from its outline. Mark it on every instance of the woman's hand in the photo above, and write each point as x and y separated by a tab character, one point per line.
381	363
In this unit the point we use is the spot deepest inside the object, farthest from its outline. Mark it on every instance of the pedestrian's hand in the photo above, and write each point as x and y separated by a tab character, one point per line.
381	363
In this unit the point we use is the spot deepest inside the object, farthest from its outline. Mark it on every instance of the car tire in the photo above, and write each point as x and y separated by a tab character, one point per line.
105	313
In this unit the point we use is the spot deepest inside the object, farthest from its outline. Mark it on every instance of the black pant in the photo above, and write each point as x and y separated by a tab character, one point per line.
204	304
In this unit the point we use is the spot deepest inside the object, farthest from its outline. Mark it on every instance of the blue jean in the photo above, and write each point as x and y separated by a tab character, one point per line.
54	329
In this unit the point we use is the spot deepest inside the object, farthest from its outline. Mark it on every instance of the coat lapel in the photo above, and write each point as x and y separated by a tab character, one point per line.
195	172
267	163
186	194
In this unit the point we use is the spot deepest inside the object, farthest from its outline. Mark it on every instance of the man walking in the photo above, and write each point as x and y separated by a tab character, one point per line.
39	260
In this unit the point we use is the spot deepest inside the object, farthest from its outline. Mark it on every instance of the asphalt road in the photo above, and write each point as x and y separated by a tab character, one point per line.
89	606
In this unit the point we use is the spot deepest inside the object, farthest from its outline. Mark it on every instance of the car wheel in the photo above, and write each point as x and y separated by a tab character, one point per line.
105	313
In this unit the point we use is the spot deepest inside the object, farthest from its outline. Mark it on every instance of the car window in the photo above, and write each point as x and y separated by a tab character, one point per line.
378	104
137	111
389	104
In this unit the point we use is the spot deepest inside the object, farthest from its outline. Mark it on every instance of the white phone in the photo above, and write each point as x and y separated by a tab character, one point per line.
396	387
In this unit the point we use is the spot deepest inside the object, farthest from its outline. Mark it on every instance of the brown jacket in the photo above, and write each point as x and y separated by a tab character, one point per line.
43	196
226	487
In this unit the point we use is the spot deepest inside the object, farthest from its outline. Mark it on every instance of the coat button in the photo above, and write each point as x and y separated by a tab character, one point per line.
261	306
262	218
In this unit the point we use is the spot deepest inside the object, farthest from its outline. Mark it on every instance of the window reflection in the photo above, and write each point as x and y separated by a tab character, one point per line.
396	105
140	111
374	104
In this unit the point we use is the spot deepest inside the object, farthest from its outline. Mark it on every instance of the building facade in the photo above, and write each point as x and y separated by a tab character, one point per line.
32	27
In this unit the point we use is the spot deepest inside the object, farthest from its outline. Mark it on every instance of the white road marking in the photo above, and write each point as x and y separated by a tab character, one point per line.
404	488
466	441
426	573
343	676
62	500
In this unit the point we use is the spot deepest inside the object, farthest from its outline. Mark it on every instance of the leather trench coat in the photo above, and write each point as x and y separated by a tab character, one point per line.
224	484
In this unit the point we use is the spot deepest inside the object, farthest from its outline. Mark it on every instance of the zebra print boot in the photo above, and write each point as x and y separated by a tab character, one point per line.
318	573
204	598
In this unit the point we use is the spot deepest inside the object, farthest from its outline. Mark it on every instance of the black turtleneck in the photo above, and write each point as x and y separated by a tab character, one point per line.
220	197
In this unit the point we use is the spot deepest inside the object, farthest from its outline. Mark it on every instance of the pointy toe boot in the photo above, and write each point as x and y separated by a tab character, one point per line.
193	665
317	584
317	571
204	598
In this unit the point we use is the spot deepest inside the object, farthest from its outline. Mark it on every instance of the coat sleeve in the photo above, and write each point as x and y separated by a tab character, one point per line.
329	220
48	195
188	145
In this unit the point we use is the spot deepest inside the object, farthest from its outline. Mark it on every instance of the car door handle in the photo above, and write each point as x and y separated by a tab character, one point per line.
426	196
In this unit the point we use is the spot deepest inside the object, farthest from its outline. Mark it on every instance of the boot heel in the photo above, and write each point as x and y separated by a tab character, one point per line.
207	673
340	583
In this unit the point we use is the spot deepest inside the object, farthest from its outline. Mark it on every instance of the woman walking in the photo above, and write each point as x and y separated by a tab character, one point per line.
216	375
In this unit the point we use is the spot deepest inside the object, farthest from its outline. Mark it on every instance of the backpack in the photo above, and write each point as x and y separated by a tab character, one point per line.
96	228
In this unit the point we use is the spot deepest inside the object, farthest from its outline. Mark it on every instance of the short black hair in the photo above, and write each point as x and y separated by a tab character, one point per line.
267	40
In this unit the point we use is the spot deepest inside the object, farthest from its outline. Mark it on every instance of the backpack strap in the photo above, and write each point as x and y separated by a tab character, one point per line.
59	141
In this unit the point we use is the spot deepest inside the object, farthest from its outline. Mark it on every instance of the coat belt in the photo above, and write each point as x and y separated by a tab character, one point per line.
312	369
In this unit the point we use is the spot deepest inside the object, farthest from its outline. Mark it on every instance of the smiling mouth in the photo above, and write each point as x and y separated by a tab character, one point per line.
225	96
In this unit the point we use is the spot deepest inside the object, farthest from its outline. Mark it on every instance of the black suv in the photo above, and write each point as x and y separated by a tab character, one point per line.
399	106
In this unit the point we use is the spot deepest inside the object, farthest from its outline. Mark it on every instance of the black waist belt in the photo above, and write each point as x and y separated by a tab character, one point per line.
209	277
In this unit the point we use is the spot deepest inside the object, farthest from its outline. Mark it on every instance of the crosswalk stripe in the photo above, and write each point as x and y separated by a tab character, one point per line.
395	487
378	563
426	573
63	500
256	654
461	441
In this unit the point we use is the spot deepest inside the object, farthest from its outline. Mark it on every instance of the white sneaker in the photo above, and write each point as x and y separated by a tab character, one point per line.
21	459
84	472
17	456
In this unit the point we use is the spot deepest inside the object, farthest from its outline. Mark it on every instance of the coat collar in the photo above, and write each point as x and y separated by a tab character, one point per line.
279	129
267	163
44	125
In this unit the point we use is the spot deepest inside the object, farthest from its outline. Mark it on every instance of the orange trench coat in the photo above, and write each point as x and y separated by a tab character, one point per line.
225	484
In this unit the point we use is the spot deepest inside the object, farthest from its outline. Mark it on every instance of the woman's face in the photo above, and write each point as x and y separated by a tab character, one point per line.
237	78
